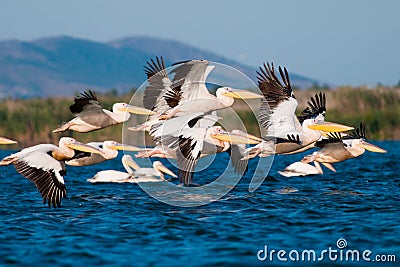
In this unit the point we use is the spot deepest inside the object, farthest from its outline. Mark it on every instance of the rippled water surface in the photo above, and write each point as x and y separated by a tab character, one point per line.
119	224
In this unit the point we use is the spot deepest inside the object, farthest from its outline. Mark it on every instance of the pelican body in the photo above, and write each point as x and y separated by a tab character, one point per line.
90	115
43	164
137	175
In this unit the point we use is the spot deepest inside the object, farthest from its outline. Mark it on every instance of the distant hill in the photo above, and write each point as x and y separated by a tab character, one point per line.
62	66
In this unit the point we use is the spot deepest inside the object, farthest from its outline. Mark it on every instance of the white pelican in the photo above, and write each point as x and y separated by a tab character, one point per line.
301	169
139	175
338	148
109	149
90	115
44	165
186	93
6	141
284	133
190	143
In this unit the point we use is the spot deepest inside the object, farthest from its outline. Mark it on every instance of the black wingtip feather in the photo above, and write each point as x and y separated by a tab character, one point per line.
155	66
181	62
266	74
358	133
82	100
316	106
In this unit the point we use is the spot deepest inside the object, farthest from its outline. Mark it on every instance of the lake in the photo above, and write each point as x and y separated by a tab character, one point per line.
120	225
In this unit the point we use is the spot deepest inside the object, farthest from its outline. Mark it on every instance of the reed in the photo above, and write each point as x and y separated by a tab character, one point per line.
30	121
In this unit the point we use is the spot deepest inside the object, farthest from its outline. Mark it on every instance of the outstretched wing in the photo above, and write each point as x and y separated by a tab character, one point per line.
86	102
90	110
333	138
277	112
358	133
37	165
159	95
239	163
188	153
316	107
191	77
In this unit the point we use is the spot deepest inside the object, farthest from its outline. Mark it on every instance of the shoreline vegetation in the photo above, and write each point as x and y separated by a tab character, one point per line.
30	121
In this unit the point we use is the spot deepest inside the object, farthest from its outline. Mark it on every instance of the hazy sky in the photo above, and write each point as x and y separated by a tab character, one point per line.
340	42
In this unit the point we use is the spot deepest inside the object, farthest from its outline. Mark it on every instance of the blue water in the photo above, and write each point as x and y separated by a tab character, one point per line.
120	225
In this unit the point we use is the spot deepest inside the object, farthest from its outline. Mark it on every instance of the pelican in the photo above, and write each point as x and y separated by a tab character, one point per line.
186	93
6	141
190	143
43	164
338	148
301	169
110	151
139	175
90	115
284	133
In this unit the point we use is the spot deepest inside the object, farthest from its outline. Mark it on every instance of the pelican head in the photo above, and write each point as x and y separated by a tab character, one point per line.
161	169
325	126
233	138
123	107
361	143
237	93
357	139
71	143
158	167
6	141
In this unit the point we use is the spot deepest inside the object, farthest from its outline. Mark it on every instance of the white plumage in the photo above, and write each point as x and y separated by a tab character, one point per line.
138	175
43	164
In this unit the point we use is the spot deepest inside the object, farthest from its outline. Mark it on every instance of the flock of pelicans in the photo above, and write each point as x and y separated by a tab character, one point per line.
181	117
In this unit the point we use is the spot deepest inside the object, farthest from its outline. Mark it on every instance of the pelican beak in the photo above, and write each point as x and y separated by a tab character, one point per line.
371	147
327	126
243	94
6	141
84	147
119	146
234	138
161	167
250	136
137	110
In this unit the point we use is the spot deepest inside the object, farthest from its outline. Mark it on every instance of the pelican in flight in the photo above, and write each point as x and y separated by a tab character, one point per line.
186	93
284	132
335	148
110	151
90	115
189	143
301	169
138	175
44	165
6	141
